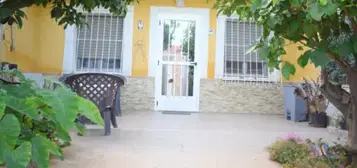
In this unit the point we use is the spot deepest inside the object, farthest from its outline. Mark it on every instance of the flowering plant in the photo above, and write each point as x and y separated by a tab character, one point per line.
296	152
293	137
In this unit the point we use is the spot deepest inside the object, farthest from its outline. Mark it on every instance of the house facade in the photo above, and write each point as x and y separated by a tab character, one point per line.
174	58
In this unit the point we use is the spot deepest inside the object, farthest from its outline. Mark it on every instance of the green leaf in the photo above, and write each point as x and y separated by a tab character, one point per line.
24	106
57	12
20	157
309	29
64	105
9	132
13	90
90	110
266	3
304	59
293	30
89	3
273	20
319	57
288	70
354	43
52	80
20	13
62	134
41	147
266	32
294	26
315	12
48	113
80	128
296	3
323	44
263	52
300	48
4	13
2	102
19	21
256	5
275	2
345	48
323	2
10	20
329	9
353	11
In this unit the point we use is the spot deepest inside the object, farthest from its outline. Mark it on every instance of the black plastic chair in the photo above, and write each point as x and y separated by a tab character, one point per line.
101	89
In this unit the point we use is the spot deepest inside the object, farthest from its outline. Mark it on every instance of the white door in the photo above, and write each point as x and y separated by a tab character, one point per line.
177	75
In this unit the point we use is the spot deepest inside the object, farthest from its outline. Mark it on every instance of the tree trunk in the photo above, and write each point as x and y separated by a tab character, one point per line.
346	103
352	116
337	96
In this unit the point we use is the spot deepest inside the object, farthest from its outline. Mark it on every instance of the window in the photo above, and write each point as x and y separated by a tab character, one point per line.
99	45
234	38
239	37
103	45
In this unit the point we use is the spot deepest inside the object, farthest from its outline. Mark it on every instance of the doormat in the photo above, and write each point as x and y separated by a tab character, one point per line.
176	112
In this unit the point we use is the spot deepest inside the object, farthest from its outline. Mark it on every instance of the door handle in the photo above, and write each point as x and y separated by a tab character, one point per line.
194	63
171	80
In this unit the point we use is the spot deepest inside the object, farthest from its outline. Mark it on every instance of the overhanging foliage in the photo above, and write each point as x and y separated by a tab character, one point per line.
309	23
63	11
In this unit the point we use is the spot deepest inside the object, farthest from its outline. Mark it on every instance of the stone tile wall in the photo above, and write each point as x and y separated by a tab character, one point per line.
138	95
217	96
248	97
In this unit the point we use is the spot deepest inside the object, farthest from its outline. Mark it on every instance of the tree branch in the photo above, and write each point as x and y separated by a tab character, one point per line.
341	63
339	97
353	22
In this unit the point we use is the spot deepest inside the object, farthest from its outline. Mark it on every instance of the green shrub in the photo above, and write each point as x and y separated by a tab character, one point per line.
35	122
287	151
311	162
294	152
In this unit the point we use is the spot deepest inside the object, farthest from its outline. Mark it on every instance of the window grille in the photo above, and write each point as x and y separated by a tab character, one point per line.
239	37
99	44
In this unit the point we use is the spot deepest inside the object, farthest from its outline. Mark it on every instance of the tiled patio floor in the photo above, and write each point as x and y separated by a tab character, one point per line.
154	140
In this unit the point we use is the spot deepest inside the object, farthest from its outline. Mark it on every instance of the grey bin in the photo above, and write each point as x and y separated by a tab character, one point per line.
294	106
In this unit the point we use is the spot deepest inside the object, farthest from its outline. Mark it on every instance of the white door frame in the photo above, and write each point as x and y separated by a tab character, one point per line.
201	55
204	13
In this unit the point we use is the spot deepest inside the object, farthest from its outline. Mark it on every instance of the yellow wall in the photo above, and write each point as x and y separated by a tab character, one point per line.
40	44
141	37
309	72
25	43
140	61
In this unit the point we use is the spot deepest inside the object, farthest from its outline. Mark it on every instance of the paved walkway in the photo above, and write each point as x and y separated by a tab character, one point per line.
154	140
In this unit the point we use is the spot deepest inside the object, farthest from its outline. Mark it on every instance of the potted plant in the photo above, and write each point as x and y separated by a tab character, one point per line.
317	104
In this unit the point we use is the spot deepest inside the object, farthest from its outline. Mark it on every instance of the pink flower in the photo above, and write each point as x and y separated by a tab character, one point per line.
294	137
341	166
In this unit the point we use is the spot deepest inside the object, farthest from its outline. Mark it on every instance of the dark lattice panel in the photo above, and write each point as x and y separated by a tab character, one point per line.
99	88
